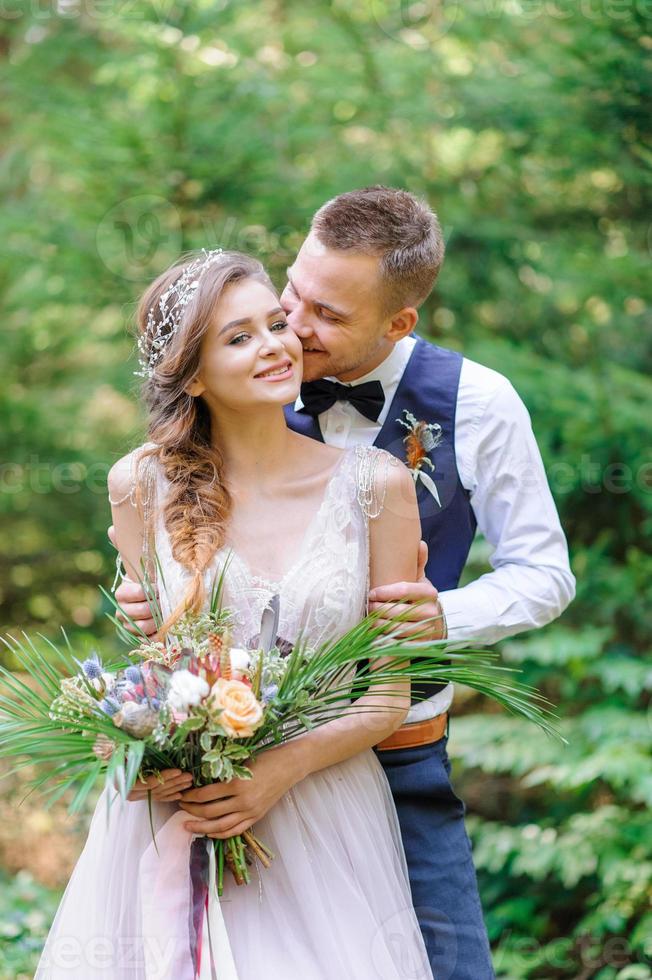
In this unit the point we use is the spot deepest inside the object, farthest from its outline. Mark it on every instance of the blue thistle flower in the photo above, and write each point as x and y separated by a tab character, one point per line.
92	667
269	692
109	706
156	704
133	675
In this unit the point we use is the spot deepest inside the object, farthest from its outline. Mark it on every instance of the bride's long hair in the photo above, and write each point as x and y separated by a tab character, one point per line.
198	504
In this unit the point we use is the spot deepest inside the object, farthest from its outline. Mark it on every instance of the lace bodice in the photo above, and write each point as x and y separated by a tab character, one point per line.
324	593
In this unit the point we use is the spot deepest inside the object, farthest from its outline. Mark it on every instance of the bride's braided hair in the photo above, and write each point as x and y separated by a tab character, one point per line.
198	504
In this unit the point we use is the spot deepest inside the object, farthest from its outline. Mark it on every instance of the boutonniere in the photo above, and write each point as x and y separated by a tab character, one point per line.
421	439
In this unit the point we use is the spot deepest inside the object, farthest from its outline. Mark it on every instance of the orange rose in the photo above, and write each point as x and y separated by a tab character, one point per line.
241	712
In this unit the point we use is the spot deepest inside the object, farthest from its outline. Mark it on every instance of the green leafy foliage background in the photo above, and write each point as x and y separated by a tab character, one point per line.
136	130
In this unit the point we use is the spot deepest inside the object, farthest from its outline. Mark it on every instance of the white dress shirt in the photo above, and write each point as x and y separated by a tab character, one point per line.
499	463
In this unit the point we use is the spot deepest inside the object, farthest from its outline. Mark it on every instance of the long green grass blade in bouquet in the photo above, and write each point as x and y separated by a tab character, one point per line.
153	601
217	591
29	736
123	634
328	675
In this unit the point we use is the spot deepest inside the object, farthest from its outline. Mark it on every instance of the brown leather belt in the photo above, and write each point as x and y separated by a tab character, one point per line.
418	733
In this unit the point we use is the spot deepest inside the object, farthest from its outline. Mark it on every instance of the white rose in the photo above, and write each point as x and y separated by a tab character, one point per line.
186	689
240	660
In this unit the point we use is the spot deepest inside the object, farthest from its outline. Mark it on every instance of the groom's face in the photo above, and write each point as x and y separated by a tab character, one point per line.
333	301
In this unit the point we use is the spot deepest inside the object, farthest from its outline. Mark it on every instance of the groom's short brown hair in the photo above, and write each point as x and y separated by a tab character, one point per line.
394	225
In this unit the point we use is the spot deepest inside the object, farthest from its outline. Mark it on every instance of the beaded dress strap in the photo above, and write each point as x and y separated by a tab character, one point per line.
372	465
372	484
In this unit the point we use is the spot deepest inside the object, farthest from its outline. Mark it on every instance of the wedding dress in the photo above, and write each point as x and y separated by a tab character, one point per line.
335	903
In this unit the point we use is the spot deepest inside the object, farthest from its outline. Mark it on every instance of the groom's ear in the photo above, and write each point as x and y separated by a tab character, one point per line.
402	324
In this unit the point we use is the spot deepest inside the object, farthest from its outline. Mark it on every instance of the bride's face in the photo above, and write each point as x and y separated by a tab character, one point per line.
250	356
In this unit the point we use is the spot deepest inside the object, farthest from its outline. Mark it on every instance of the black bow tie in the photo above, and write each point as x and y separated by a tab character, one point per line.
318	396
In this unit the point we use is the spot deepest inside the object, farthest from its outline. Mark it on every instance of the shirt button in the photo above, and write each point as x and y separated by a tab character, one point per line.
339	428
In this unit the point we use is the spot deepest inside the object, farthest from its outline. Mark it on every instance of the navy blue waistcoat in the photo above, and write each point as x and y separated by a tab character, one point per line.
428	389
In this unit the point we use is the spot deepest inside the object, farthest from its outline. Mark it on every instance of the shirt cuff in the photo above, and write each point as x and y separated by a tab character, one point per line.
432	707
465	620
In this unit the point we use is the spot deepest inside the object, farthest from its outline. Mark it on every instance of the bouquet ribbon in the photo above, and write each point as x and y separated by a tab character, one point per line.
169	887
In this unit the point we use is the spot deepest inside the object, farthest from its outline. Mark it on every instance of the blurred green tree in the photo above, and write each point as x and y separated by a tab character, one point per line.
138	130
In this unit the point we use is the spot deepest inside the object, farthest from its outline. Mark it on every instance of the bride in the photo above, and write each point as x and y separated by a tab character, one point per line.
222	475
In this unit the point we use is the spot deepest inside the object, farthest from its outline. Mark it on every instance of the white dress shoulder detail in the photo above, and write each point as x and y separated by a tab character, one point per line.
336	900
141	492
372	469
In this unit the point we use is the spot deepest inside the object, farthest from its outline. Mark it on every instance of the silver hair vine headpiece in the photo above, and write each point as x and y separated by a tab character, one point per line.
155	338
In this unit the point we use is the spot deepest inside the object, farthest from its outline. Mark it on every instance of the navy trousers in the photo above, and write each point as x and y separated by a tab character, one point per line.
440	863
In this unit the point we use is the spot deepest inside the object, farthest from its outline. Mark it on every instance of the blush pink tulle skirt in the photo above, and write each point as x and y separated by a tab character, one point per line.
334	905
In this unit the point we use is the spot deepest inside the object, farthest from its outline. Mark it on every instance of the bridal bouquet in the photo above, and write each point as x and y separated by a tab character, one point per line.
198	703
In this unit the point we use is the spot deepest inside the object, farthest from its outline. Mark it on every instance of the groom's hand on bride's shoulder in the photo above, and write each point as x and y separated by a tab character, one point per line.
417	602
133	602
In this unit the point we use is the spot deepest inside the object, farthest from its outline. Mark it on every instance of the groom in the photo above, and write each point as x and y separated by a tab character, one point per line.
370	260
